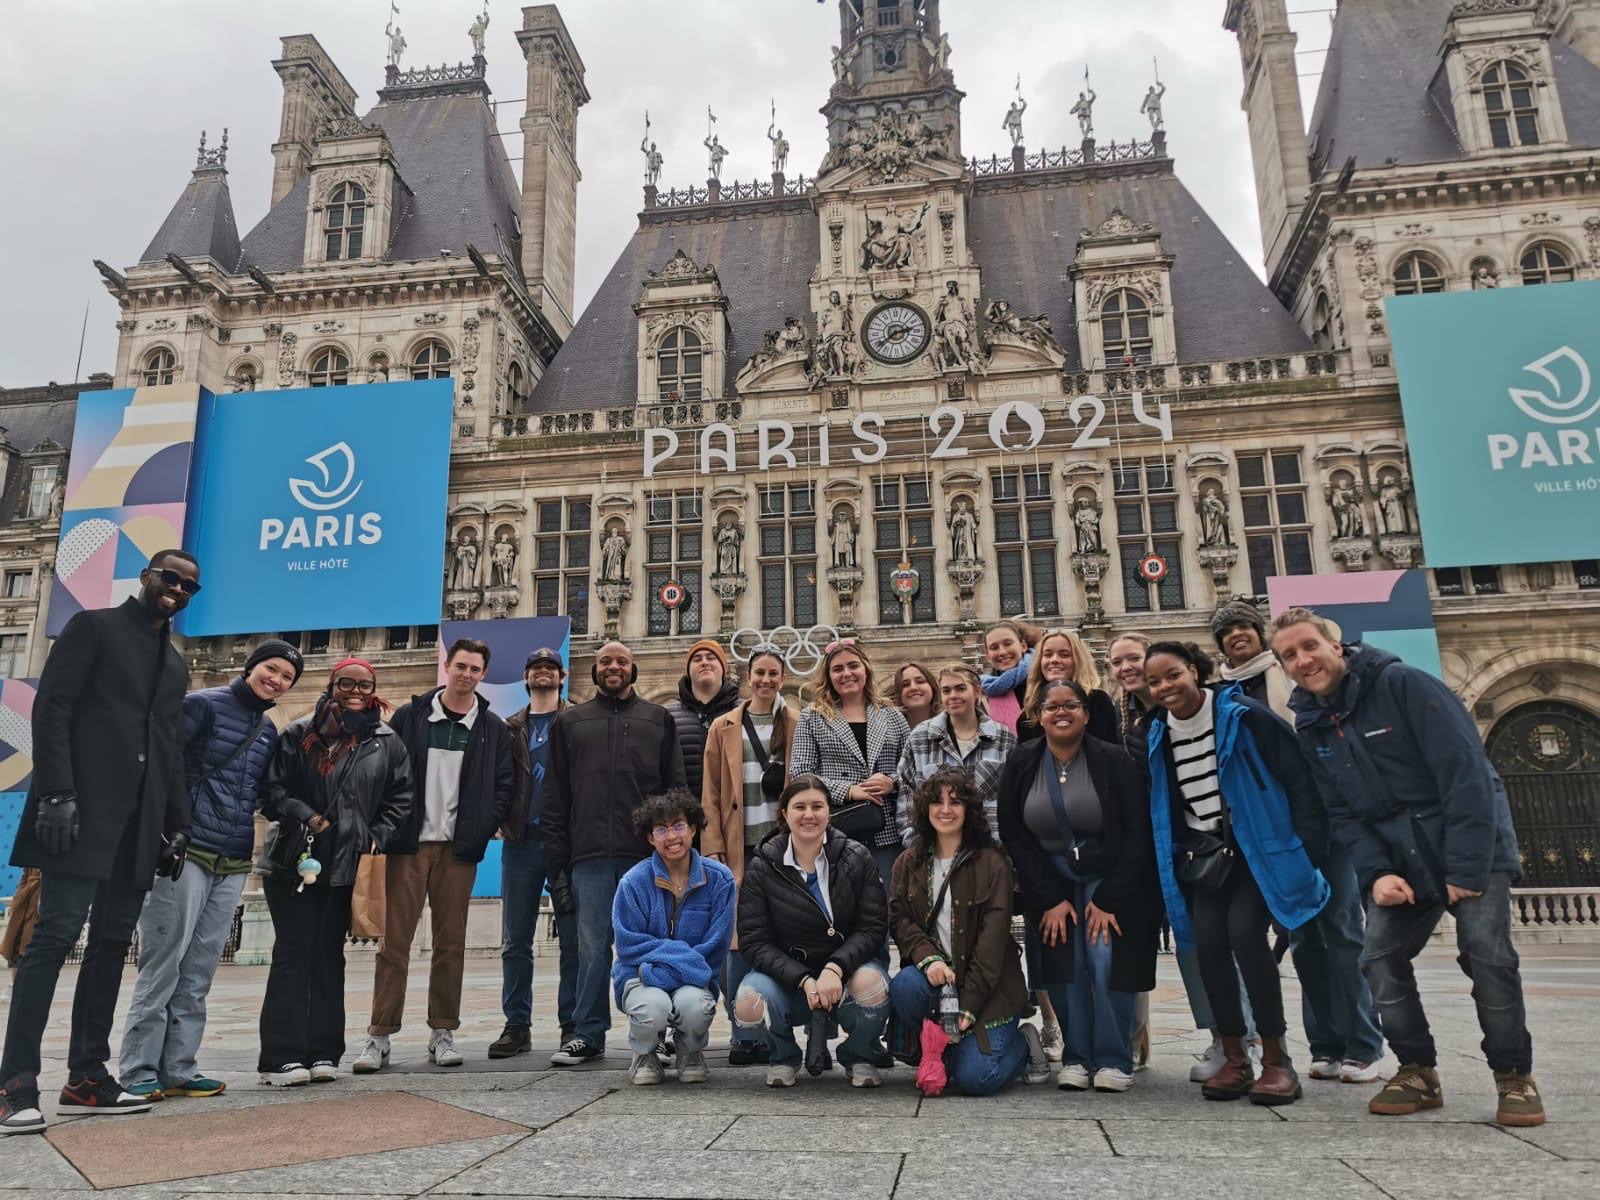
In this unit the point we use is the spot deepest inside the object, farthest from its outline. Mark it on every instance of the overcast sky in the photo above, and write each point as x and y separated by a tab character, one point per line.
104	104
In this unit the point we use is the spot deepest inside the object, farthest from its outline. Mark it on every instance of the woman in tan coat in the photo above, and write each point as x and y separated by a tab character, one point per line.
746	767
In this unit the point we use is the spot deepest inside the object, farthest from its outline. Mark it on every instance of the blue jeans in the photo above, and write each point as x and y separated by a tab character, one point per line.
522	882
884	857
734	969
594	887
1096	1022
1396	935
971	1071
1336	1004
787	1007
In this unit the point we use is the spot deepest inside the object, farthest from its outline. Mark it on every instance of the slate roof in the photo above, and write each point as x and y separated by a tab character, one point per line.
1381	98
201	223
765	261
29	416
461	188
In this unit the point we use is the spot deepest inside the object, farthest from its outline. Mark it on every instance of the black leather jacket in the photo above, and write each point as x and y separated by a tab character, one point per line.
365	800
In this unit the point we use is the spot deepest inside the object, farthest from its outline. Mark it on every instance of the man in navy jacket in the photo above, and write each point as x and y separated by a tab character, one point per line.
1414	799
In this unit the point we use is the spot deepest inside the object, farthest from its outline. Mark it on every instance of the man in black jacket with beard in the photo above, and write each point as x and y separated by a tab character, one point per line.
606	756
704	693
109	810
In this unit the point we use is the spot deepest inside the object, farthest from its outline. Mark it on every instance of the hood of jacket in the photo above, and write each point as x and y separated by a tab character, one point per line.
1363	665
727	696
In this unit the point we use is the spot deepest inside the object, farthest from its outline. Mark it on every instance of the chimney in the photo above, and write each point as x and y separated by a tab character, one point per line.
313	91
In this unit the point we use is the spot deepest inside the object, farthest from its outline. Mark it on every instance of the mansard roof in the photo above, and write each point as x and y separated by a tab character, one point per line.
37	418
1382	98
765	255
201	223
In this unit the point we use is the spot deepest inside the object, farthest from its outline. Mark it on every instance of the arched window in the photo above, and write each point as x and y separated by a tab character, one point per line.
431	361
1417	275
1543	262
160	366
517	389
1125	326
330	368
1513	113
678	366
345	222
1322	323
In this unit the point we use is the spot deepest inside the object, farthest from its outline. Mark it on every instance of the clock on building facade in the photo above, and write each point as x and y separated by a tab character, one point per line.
897	333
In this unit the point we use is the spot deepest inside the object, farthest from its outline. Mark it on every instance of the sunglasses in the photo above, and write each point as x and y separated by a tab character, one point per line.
365	686
172	579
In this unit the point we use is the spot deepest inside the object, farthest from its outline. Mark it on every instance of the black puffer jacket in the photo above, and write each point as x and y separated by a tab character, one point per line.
487	778
365	800
693	719
785	934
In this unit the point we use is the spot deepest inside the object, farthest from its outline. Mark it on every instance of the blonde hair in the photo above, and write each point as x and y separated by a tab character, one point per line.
824	699
1304	616
935	707
1124	696
970	674
1084	671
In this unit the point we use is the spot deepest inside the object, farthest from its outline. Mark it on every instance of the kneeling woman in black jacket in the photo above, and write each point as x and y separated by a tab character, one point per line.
338	785
812	913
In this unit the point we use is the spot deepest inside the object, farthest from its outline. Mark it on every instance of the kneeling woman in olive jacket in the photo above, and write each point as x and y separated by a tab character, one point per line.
950	914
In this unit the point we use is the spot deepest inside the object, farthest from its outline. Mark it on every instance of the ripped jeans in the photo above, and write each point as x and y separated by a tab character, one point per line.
765	1005
687	1011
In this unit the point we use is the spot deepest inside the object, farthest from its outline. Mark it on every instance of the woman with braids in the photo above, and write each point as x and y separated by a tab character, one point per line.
1134	706
338	785
1239	830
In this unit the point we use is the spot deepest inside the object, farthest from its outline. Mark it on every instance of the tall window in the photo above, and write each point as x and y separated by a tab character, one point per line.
13	655
903	531
345	222
1322	323
330	368
1147	522
678	366
788	556
41	490
1467	581
1513	114
431	361
561	561
1125	328
1277	532
674	538
1543	262
18	585
1416	275
160	366
1025	542
517	389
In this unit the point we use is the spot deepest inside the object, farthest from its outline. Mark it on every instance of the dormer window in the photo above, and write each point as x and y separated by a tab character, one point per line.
1125	328
344	222
330	368
1513	112
431	361
1417	275
1543	262
678	366
160	366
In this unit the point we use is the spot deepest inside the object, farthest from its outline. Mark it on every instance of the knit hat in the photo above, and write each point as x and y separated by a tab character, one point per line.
275	648
348	662
707	644
1237	612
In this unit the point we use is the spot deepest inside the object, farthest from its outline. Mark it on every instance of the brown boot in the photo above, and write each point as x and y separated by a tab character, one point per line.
1234	1077
1278	1083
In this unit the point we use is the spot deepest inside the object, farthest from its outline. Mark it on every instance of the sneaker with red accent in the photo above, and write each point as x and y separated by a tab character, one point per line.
100	1097
19	1110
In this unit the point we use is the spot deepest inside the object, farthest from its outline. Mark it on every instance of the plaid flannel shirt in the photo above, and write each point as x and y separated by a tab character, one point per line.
931	745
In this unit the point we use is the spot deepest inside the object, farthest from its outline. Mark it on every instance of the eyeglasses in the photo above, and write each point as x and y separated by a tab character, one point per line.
678	830
365	686
172	579
1061	706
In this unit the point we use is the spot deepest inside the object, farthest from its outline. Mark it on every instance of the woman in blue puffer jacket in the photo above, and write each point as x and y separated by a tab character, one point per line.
1239	829
226	741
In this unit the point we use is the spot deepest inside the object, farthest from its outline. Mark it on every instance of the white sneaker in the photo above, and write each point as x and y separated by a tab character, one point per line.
1053	1041
1073	1077
1208	1064
645	1070
865	1075
1354	1071
442	1049
691	1067
374	1056
288	1075
323	1071
1109	1079
781	1075
1038	1068
1325	1068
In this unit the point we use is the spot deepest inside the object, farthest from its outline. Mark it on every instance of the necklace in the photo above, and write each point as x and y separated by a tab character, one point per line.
1063	769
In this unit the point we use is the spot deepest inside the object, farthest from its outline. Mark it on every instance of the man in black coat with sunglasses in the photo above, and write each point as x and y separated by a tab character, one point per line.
108	811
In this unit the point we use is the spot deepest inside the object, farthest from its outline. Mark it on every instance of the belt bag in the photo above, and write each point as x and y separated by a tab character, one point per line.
1205	860
772	771
860	822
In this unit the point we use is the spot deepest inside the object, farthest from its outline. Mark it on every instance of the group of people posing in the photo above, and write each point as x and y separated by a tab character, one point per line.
748	851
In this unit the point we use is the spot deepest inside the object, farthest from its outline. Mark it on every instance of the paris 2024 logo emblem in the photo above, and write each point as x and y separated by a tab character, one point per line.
335	488
1564	396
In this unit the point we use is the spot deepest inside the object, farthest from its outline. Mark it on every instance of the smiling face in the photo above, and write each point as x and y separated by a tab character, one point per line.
543	677
1174	685
947	814
1127	666
1310	658
354	686
162	586
915	689
613	669
955	691
806	815
847	672
766	677
1241	643
673	838
1056	660
1063	716
1003	647
270	678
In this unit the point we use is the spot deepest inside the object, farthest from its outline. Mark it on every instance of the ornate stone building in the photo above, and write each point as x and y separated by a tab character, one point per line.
930	384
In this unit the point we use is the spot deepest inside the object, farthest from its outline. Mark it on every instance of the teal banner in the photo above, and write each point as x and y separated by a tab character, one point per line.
1502	412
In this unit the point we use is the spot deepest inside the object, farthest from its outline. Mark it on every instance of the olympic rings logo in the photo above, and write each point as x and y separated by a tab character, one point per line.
793	646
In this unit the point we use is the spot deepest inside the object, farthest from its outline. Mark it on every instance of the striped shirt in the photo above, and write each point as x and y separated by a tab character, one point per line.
1194	755
760	810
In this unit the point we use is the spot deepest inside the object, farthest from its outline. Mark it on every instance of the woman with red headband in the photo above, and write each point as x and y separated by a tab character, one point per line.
337	786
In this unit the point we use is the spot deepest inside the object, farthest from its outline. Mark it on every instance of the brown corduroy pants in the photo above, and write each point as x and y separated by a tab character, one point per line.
432	873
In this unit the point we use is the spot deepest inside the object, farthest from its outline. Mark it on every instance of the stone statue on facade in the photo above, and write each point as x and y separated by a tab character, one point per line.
1084	111
963	532
397	45
504	561
730	539
938	51
718	152
1484	278
614	556
1036	330
953	329
1216	526
464	562
891	249
780	144
841	65
1152	106
842	537
836	354
480	25
1392	512
1086	520
1348	521
1013	120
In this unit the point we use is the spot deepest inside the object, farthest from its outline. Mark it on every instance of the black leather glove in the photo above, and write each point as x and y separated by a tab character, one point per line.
561	897
56	823
174	853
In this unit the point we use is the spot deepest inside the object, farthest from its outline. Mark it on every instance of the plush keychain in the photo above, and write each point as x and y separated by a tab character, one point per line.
308	866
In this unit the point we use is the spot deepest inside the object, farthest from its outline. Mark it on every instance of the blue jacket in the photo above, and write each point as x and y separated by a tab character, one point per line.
1276	816
1403	772
215	721
667	942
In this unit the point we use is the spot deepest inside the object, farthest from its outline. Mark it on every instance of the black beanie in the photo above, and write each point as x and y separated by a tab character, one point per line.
275	648
1237	612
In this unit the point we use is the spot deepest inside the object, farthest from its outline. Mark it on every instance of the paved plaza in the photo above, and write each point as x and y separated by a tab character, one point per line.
518	1128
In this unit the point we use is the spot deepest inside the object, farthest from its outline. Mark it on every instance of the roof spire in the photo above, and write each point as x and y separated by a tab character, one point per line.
212	158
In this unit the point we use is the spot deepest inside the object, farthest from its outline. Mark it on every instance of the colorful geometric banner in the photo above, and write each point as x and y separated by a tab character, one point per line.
510	641
126	494
16	734
1388	609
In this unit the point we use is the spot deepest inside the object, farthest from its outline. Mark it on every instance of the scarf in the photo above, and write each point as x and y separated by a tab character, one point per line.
1278	686
335	731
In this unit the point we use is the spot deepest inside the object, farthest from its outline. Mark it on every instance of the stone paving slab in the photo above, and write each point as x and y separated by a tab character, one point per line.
919	1137
735	1092
534	1106
1282	1141
400	1171
1433	1178
1055	1177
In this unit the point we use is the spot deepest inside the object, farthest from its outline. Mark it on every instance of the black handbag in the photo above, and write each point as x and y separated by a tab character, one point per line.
860	822
1205	860
773	772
